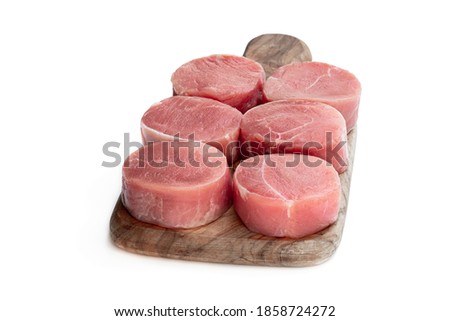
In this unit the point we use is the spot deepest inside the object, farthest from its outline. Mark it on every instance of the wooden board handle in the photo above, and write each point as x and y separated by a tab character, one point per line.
275	50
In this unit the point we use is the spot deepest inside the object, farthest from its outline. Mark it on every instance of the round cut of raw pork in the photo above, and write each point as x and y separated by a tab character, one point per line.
234	80
289	195
194	118
296	126
319	82
177	184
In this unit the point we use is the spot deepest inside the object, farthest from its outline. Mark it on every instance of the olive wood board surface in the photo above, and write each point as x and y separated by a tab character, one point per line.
227	240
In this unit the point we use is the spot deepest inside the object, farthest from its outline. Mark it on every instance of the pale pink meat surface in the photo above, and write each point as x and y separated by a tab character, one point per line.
177	187
289	195
233	80
319	82
196	118
296	126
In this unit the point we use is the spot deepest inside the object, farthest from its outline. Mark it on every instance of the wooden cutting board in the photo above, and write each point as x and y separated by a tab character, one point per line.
227	240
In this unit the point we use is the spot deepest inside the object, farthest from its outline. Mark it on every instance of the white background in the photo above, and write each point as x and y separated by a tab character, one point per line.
75	75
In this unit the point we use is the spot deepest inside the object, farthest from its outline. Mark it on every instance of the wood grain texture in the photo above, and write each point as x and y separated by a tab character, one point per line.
227	240
275	50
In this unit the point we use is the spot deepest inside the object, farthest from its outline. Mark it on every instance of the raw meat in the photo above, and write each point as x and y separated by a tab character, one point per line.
233	80
317	81
176	186
194	118
289	195
296	126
